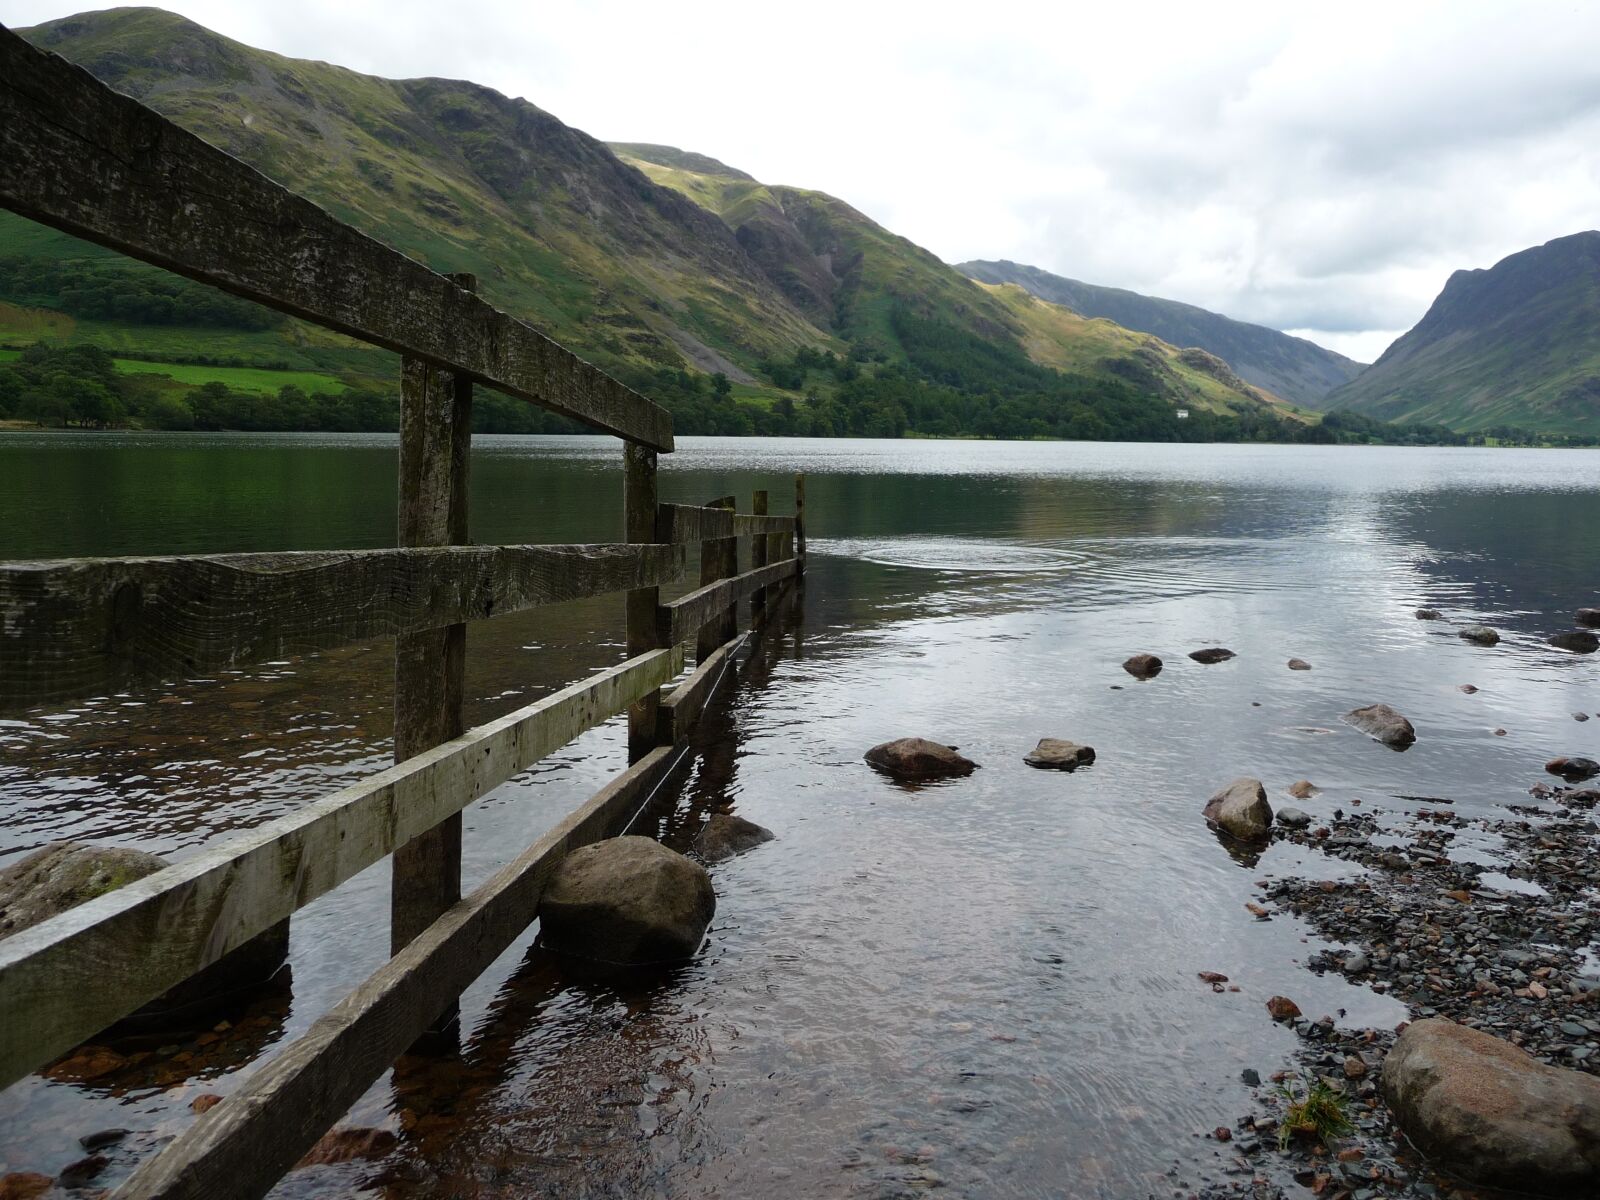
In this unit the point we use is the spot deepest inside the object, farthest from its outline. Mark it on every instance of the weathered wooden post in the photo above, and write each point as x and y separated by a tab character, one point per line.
435	444
800	524
758	555
639	525
719	559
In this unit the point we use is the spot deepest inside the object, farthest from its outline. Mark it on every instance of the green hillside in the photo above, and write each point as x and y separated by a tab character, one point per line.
1516	344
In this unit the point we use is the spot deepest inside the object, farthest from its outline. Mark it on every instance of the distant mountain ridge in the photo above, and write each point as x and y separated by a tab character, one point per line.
1517	343
1287	366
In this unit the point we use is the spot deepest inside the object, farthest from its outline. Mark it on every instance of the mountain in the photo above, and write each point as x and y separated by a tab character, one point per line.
1515	344
1291	367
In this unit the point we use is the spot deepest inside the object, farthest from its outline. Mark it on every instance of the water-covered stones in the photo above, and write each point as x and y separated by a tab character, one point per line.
726	835
1299	664
1588	616
1572	768
916	759
1143	666
1577	641
1241	811
627	901
1429	614
1211	654
1478	635
1057	754
1493	1113
1384	724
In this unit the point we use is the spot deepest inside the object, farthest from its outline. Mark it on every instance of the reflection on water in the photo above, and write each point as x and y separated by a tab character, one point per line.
989	985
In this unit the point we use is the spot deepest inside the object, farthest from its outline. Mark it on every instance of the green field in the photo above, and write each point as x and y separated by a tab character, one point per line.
238	379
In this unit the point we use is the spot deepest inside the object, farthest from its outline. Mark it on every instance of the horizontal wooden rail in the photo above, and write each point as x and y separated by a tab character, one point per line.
747	525
67	978
687	523
88	160
82	627
240	1147
681	707
683	617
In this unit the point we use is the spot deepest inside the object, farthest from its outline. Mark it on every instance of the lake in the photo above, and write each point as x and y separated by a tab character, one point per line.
988	984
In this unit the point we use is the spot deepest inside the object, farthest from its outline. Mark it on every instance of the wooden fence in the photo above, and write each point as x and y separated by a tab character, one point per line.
76	155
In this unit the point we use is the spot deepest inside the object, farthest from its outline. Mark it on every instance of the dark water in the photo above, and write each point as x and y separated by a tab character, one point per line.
988	985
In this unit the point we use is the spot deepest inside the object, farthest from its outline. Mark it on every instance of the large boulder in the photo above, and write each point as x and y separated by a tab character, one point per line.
917	759
1578	641
627	901
1057	754
1383	723
1241	811
1143	666
1492	1113
63	875
1478	635
726	835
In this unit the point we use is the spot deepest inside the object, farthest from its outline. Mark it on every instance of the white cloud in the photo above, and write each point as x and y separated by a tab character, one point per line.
1314	167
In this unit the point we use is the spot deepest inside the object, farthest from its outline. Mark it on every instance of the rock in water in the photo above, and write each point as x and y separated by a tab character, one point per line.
1429	614
1293	818
1241	811
725	835
1282	1008
1383	723
1573	770
1299	664
915	759
1492	1113
1480	635
1589	617
1579	641
1055	754
627	901
1143	666
1303	789
63	875
1211	654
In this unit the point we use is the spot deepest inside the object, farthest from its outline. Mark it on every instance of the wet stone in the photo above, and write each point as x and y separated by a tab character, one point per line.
1383	724
1212	654
1479	635
1299	664
1143	666
1429	614
1057	754
1241	810
915	759
1577	641
1293	818
725	835
627	901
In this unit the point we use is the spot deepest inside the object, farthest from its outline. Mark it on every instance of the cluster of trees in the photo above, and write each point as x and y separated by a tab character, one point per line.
119	291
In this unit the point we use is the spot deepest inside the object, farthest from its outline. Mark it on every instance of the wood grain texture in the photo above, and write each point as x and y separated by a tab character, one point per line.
639	509
67	978
681	619
747	524
81	627
240	1147
83	158
719	559
688	523
760	553
681	707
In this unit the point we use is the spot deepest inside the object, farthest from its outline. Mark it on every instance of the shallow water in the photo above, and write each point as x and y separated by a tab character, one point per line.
988	984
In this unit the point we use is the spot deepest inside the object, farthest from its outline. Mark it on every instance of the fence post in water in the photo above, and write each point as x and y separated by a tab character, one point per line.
639	525
800	524
435	443
759	545
719	559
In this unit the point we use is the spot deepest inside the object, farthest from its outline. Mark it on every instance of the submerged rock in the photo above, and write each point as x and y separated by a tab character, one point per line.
1211	654
1143	666
1383	723
1470	689
1479	635
916	759
1299	664
1303	789
1578	641
1429	614
1055	754
1588	616
1241	810
627	901
726	835
1573	770
1492	1113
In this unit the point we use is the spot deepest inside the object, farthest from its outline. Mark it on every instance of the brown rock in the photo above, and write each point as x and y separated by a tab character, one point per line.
1222	1133
1383	724
915	759
1303	789
1211	654
1492	1113
85	1063
1478	635
1282	1008
347	1145
1429	614
24	1185
1354	1067
627	901
726	835
1143	666
206	1102
1241	811
1057	754
82	1172
1213	977
1299	664
1573	770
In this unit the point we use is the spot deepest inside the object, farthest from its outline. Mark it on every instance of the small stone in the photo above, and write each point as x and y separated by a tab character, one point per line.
1212	977
1143	666
1354	1067
1282	1008
915	759
1250	1077
1356	962
1470	689
1574	1030
1429	614
1589	617
1299	664
1478	635
1211	654
1383	724
1241	810
1580	716
1500	733
206	1102
1578	641
1056	754
1303	789
1293	818
100	1139
1222	1133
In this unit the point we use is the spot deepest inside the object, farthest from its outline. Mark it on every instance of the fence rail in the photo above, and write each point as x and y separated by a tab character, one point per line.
79	156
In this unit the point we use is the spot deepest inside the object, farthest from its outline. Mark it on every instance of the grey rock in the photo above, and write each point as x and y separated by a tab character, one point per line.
1578	641
1383	723
1589	617
1143	666
627	901
1211	654
726	835
1492	1113
1293	818
1056	754
1480	635
1355	962
1429	614
1573	769
1241	810
1299	664
915	759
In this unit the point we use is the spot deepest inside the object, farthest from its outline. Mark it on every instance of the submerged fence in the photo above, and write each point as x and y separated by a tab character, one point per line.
76	155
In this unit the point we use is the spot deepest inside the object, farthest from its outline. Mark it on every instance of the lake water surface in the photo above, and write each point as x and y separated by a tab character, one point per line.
989	984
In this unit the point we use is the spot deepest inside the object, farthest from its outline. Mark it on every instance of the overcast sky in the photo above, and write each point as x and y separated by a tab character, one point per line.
1320	168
